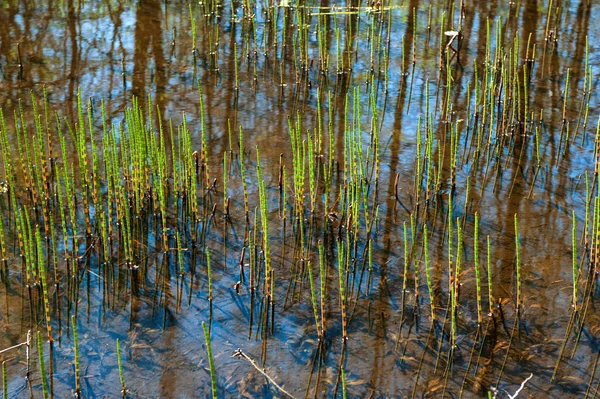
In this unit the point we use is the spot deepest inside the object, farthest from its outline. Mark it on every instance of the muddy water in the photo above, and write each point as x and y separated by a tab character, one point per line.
114	50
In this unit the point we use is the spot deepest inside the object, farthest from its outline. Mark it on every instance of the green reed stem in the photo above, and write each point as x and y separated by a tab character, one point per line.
406	258
225	182
428	272
40	346
566	96
193	22
42	270
209	273
120	363
265	227
76	350
518	262
344	382
313	296
489	276
4	380
574	250
477	272
342	274
323	284
587	210
213	375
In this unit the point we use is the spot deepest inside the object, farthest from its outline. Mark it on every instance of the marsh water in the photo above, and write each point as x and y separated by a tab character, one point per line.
444	114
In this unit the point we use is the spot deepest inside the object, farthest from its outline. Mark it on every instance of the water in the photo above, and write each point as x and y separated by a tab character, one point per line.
533	163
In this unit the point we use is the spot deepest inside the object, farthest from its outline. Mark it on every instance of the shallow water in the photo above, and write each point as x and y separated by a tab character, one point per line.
533	163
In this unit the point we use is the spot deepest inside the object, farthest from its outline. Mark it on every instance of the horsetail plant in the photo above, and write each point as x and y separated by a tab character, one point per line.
211	361
4	379
76	353
574	255
193	22
313	297
40	347
265	229
518	262
489	276
120	364
428	273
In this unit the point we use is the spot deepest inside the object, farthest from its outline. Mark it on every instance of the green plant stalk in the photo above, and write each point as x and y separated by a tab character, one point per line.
126	218
331	153
209	273
95	189
413	240
265	227
162	187
186	158
344	382
30	250
312	180
456	282
252	240
42	270
193	22
24	155
450	239
477	272
587	210
537	146
175	170
406	258
284	192
518	262
225	182
323	285
40	346
341	274
574	250
372	42
80	137
21	236
595	232
76	351
298	154
211	361
235	55
120	363
4	380
489	276
30	158
313	297
109	148
68	178
339	58
6	149
419	174
566	96
438	178
375	134
429	158
38	148
428	272
370	249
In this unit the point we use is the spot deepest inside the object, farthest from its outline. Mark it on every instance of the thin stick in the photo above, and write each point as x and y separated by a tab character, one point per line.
15	347
239	353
